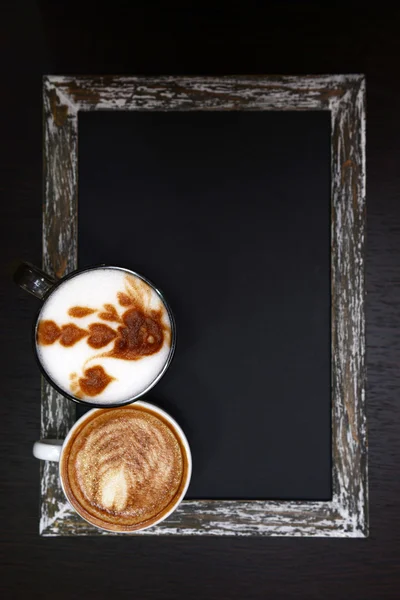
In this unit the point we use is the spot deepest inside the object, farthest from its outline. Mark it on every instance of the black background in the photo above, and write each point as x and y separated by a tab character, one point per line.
290	37
229	214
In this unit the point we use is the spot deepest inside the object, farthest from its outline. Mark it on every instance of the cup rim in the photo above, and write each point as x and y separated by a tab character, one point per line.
132	399
179	432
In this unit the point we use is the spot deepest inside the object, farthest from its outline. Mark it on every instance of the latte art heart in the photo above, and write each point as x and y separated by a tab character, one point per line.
114	489
93	382
100	335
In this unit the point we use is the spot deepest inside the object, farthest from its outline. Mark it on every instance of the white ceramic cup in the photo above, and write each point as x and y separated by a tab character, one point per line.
53	450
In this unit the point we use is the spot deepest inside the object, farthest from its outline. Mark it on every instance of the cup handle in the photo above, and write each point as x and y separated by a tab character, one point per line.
33	280
48	450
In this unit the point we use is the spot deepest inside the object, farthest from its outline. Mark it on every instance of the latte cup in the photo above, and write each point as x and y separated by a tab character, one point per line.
121	484
104	335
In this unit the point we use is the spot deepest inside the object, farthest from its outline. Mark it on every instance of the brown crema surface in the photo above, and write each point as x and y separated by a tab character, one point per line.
124	468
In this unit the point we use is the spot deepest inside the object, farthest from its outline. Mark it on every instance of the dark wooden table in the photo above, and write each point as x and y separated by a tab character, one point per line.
294	37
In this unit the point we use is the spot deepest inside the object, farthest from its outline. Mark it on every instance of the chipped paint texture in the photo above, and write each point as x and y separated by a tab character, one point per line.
346	515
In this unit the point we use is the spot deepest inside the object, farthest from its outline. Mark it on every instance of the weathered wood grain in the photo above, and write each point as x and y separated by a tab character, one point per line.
59	258
344	96
348	319
197	93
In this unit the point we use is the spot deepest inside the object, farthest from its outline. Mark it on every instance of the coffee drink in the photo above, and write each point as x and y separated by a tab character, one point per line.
104	336
123	468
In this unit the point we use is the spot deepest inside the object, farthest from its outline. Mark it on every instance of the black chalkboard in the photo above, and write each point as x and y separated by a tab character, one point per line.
228	213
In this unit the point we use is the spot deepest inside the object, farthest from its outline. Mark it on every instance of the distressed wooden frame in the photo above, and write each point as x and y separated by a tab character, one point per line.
346	515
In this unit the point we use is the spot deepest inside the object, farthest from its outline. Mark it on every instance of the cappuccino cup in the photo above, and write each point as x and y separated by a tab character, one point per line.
104	335
122	469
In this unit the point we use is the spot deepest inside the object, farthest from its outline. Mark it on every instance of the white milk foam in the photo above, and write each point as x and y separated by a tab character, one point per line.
93	289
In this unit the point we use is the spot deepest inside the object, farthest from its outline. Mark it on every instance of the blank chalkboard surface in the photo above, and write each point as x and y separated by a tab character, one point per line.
228	213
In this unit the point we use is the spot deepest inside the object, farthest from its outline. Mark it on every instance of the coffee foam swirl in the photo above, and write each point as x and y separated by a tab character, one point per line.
124	467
